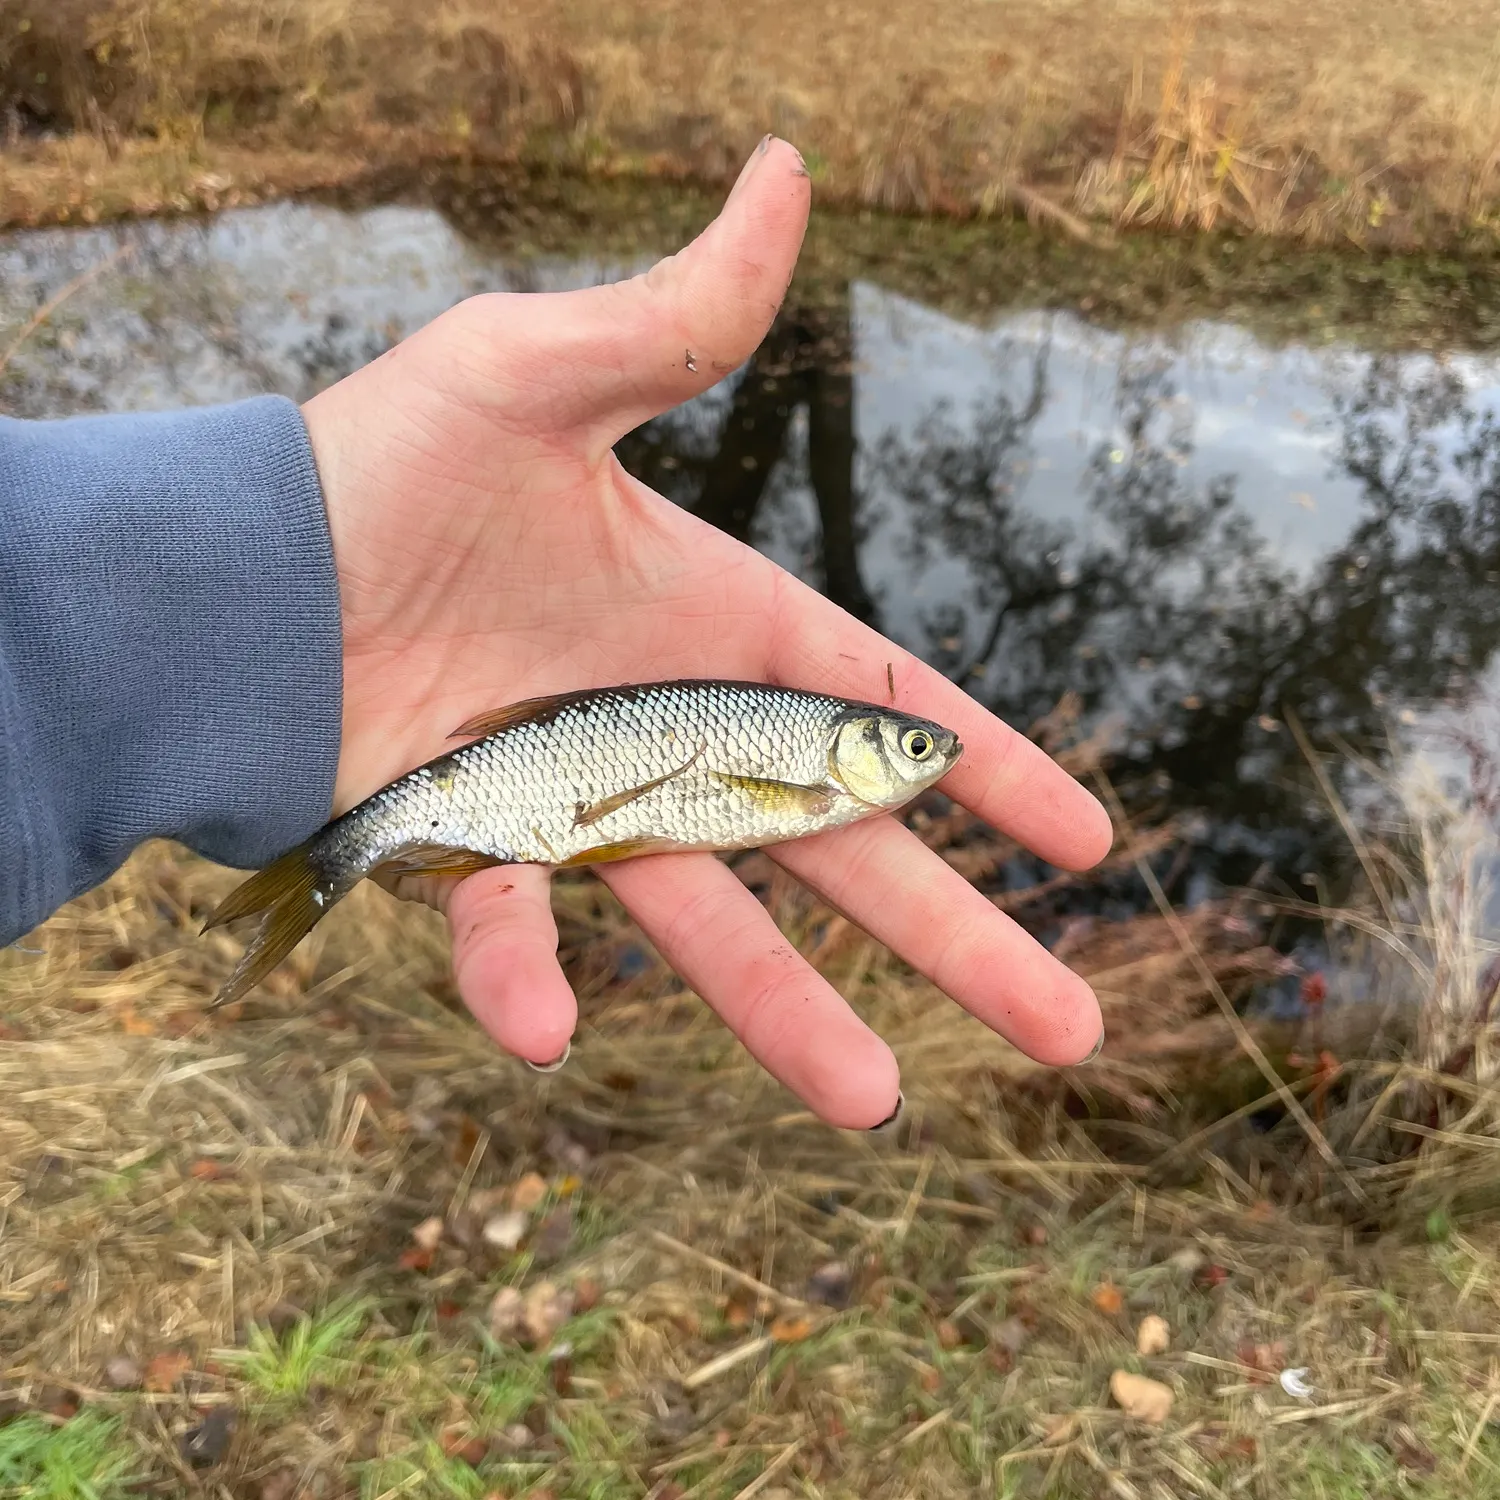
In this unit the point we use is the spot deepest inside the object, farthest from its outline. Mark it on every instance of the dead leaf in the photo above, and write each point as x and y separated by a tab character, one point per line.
553	1235
459	1441
506	1231
585	1294
428	1234
1108	1299
165	1369
281	1485
791	1329
1146	1400
468	1138
528	1192
1154	1336
738	1313
133	1024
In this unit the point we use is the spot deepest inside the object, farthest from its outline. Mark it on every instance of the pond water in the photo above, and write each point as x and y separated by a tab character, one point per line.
1192	531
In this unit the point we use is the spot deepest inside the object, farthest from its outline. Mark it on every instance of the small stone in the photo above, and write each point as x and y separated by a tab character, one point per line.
506	1231
1189	1260
507	1313
830	1284
1146	1400
1153	1336
545	1310
208	1442
528	1192
123	1373
428	1234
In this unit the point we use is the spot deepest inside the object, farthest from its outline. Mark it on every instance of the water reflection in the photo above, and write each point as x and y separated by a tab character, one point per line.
1195	534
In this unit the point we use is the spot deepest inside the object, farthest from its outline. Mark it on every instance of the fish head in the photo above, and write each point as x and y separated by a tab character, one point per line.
885	758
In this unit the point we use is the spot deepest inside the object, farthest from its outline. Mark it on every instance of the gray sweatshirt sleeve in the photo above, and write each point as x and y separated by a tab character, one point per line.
170	644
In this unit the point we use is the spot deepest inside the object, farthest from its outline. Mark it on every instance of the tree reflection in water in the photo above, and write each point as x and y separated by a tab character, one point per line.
1168	607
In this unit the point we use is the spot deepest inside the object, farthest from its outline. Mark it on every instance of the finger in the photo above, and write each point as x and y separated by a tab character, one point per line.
722	941
1004	778
608	358
883	878
505	961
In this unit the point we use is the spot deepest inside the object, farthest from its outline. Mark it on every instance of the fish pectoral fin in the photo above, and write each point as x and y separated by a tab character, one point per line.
605	854
493	720
591	812
431	859
779	796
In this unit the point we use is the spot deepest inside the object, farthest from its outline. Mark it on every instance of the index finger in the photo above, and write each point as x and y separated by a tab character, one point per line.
1003	777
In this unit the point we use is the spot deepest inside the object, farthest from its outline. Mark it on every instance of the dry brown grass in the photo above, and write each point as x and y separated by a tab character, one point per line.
168	1178
1323	123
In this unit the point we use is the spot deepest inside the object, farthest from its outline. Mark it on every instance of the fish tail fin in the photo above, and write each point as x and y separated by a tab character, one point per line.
294	892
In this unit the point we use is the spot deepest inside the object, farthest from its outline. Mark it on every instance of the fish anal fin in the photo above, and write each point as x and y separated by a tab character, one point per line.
779	796
605	854
592	812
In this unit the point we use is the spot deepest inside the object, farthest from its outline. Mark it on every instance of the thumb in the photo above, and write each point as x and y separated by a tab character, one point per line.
621	354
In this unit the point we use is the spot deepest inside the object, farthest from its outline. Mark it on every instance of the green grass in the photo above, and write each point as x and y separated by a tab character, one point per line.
314	1351
86	1458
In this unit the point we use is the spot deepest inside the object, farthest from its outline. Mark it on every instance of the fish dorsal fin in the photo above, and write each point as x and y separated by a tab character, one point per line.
527	711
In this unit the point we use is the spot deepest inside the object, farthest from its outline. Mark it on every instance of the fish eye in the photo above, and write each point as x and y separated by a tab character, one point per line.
917	743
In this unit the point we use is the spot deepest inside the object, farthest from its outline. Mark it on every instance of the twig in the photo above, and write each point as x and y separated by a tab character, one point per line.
1478	1432
1242	1032
726	1362
54	302
771	1470
724	1269
1325	785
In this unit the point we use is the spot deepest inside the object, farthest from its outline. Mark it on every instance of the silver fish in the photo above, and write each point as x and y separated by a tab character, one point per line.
586	777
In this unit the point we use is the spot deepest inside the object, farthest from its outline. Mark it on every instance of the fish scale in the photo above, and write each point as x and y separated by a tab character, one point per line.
603	774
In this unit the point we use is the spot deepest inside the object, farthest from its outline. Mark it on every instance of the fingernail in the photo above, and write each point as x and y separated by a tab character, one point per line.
551	1067
749	168
1095	1050
891	1120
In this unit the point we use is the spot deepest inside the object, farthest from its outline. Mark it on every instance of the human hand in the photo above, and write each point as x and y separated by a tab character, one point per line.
490	548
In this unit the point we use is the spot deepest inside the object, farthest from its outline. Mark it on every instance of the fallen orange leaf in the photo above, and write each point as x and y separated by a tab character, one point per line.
165	1370
1108	1298
791	1330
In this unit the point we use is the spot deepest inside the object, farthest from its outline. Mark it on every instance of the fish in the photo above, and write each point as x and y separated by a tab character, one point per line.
596	775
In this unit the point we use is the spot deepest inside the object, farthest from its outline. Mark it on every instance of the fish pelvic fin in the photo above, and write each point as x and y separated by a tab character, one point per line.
294	894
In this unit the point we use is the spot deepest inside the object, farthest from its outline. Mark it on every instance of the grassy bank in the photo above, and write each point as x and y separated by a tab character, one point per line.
330	1244
1329	125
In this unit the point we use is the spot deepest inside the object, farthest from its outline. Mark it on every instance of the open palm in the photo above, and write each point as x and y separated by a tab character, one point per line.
490	547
